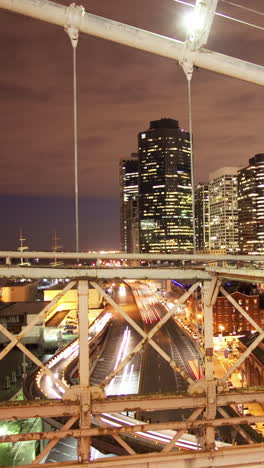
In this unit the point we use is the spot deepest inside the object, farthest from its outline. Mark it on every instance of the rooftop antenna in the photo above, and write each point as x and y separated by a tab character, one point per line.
22	248
55	248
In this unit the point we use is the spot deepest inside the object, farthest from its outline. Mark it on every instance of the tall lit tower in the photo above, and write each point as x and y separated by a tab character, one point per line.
251	206
165	192
223	215
201	203
129	203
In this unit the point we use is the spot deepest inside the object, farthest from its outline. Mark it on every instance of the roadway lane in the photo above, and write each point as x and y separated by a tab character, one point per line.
121	340
183	347
64	450
57	318
157	376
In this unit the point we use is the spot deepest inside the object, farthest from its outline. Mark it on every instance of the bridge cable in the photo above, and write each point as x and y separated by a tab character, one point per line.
75	150
195	40
189	79
200	362
72	27
202	18
222	15
257	12
187	65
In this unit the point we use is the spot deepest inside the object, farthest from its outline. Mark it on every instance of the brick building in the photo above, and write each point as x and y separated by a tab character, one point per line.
252	369
14	291
228	320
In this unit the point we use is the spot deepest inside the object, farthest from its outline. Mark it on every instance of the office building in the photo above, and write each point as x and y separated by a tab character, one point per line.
251	206
165	192
223	214
129	203
201	202
228	320
13	291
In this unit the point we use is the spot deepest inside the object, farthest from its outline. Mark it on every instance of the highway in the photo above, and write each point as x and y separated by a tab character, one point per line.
157	376
41	385
121	340
57	318
147	372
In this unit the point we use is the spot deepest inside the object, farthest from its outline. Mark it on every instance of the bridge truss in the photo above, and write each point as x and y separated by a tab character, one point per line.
206	397
85	401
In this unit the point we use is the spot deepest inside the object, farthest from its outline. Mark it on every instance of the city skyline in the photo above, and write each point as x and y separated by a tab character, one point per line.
165	190
119	90
251	205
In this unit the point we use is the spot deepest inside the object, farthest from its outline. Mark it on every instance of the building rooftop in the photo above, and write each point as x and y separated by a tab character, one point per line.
223	171
5	283
164	123
21	308
258	159
247	340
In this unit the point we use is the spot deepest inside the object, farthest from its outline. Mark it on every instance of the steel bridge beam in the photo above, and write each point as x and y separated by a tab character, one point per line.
84	368
143	273
231	457
134	37
209	399
66	408
147	337
9	254
251	275
143	427
93	273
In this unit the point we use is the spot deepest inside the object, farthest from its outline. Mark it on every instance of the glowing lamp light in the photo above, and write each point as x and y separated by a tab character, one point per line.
194	23
3	430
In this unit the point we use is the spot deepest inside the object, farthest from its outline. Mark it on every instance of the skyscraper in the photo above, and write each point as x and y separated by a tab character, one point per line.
129	203
223	215
251	206
165	192
201	202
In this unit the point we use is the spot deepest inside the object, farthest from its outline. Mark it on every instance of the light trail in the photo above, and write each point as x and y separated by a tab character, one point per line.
122	383
60	361
123	348
187	441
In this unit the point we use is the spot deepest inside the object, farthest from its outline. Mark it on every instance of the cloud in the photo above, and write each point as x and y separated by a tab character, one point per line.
19	92
120	90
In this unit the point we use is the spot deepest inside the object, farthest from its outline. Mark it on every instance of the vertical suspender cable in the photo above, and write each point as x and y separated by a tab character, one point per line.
189	77
72	27
75	151
200	25
188	73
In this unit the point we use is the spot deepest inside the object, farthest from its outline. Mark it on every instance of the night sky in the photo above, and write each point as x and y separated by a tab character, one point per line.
120	90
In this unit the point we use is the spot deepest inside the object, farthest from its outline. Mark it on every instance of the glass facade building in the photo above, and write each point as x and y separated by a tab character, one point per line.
128	172
165	194
251	206
201	203
223	210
